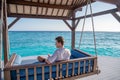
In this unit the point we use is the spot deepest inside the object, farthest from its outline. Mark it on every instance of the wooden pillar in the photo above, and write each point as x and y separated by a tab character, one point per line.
73	31
5	40
5	33
1	22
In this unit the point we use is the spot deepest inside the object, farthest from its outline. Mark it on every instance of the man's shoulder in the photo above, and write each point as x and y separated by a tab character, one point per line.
67	49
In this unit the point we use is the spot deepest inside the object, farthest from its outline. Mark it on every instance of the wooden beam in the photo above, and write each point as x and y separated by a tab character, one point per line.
115	2
99	13
29	3
67	24
37	16
116	16
77	23
11	24
78	9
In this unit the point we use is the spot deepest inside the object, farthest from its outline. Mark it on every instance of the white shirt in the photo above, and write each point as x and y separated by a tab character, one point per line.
60	54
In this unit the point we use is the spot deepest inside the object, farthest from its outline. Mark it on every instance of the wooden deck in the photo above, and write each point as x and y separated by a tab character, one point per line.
110	69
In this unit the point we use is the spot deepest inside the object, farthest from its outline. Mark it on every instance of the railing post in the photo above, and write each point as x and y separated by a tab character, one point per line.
60	71
35	74
57	71
43	73
7	75
18	74
95	64
67	69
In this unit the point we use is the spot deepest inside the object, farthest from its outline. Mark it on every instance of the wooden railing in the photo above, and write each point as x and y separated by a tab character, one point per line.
58	65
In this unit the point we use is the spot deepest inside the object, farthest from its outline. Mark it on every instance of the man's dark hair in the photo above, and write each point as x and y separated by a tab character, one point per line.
60	39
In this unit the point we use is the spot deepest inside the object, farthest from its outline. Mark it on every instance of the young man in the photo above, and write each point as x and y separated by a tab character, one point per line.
59	55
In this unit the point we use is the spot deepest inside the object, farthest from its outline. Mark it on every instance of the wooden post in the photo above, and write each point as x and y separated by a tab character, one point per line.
57	71
73	31
35	74
7	75
1	22
95	65
5	33
26	72
5	40
18	74
43	77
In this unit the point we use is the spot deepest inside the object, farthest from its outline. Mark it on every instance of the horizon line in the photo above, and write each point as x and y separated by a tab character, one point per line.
60	31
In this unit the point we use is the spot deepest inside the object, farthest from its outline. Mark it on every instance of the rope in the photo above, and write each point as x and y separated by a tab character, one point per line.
94	33
88	2
93	27
83	26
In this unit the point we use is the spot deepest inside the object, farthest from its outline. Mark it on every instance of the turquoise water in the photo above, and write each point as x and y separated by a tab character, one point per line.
29	43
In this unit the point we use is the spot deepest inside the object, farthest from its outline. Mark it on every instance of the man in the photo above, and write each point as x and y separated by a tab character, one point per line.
59	55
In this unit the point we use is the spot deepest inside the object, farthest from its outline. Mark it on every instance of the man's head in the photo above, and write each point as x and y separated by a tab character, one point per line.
59	41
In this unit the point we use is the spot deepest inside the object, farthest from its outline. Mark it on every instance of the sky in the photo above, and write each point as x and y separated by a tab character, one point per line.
102	23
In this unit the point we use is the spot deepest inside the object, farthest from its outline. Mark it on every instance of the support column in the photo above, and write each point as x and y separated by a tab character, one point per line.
1	22
73	31
5	33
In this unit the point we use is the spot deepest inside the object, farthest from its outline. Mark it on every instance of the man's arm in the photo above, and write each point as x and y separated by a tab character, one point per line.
52	58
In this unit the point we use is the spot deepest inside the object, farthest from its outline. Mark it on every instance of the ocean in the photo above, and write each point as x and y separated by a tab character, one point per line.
34	43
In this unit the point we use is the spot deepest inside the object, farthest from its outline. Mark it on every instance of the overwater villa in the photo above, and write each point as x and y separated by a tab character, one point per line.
81	65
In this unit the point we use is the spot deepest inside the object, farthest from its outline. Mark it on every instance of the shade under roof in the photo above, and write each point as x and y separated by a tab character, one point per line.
59	9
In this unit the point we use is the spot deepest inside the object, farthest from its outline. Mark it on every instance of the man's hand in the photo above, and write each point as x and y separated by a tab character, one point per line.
47	61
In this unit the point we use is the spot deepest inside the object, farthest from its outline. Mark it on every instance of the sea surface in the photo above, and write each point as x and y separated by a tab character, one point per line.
32	43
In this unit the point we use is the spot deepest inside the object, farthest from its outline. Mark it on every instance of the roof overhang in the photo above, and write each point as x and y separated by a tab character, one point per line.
50	9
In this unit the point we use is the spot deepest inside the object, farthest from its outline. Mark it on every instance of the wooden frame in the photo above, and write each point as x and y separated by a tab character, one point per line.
100	13
10	67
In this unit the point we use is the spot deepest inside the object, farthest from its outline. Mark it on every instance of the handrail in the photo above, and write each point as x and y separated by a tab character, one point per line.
40	65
